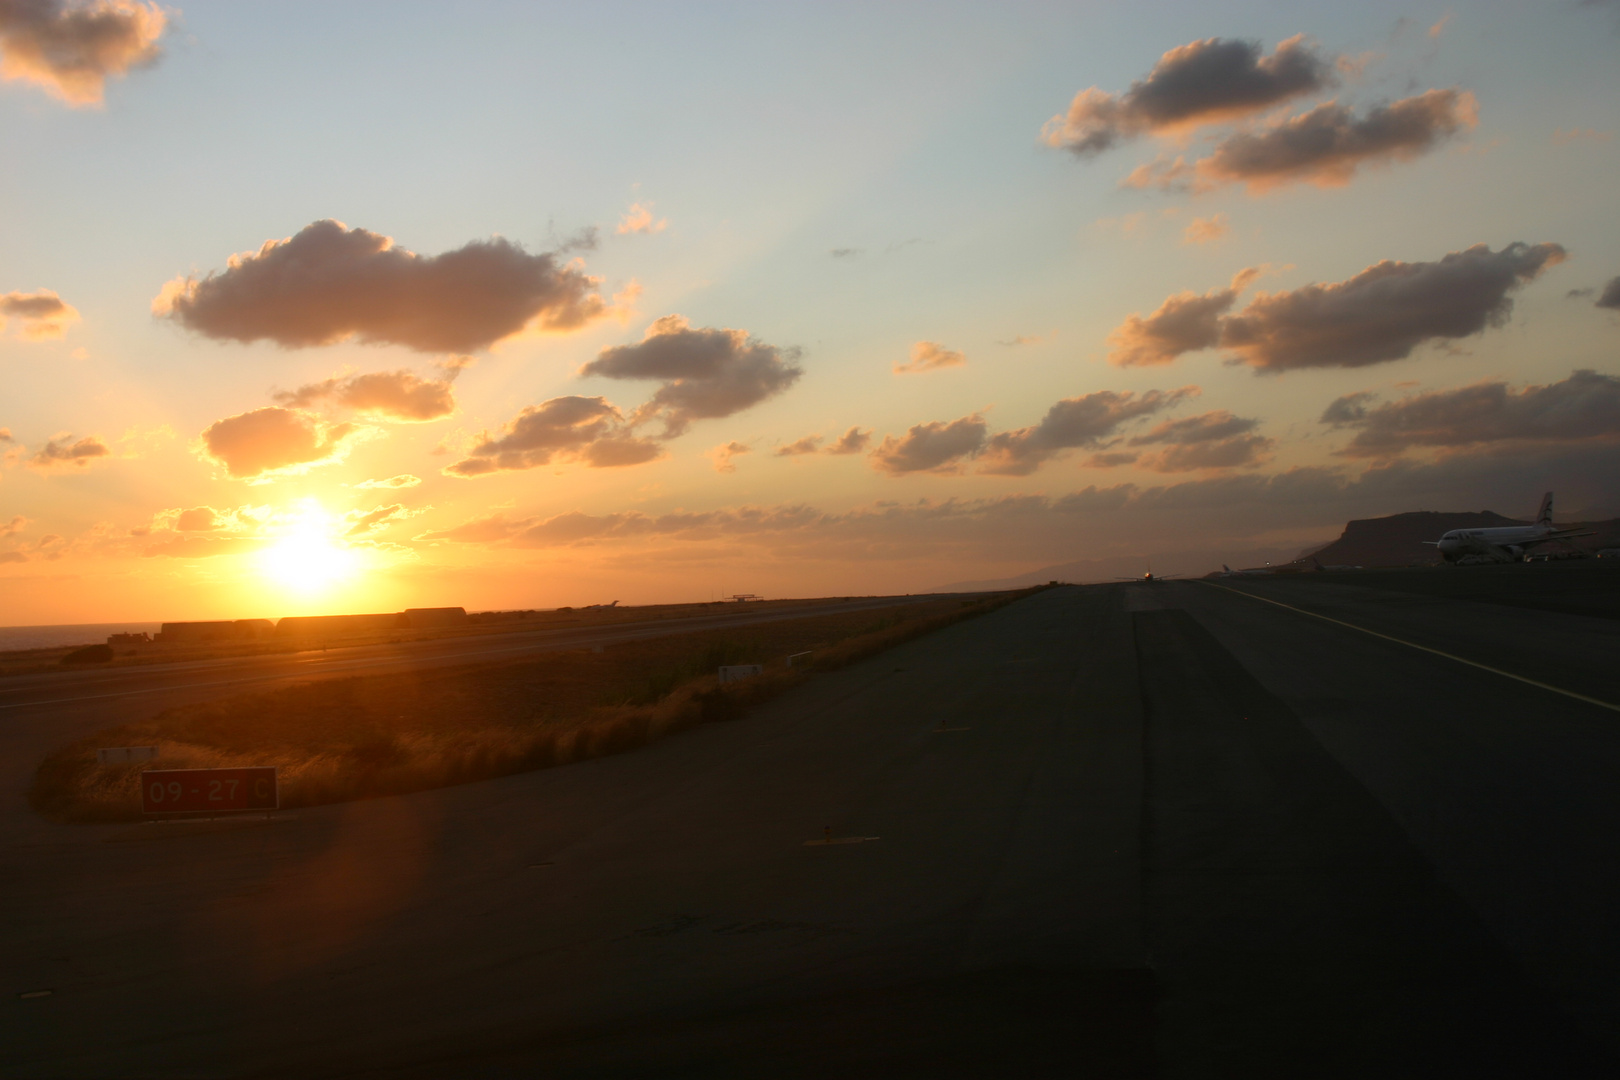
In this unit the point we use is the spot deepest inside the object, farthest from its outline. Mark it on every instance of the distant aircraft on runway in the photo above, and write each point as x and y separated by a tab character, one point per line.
1253	571
600	607
1318	564
1149	578
1509	543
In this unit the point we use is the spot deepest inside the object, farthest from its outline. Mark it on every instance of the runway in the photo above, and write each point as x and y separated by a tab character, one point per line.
1115	831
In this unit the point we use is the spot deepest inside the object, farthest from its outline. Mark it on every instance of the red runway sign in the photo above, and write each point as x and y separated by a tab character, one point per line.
205	791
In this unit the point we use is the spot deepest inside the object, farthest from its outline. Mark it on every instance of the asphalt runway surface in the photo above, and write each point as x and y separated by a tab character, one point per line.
1115	831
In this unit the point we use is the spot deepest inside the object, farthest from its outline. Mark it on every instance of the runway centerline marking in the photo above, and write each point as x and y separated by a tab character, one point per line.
1424	648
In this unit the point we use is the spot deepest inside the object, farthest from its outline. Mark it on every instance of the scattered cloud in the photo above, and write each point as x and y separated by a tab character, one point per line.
62	452
1087	421
930	356
1326	145
43	314
11	528
1563	137
639	219
846	252
810	444
1186	322
1024	531
329	283
1212	440
590	430
1583	407
70	49
400	396
1203	82
936	447
1024	339
853	441
403	480
366	523
722	456
1386	311
274	442
707	373
198	519
1439	28
1206	230
1611	295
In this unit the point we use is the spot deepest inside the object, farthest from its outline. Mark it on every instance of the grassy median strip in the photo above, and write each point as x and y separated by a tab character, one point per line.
366	736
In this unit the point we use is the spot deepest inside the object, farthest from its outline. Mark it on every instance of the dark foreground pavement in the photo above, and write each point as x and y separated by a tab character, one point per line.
1111	832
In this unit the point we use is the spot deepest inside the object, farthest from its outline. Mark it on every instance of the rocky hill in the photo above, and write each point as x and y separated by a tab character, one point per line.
1398	540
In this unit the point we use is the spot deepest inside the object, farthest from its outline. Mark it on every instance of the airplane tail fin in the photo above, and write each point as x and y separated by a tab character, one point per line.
1544	515
1228	569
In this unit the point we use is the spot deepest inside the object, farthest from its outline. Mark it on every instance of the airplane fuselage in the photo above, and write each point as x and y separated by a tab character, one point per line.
1507	543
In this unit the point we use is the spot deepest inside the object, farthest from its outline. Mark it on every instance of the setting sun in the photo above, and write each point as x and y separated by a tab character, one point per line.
309	559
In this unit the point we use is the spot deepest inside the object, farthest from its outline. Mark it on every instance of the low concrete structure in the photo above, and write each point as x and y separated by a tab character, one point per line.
330	625
418	618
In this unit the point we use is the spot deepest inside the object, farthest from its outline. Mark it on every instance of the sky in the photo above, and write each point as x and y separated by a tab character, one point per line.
337	308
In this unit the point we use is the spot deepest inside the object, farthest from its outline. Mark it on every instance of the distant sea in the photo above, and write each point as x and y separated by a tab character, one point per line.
50	637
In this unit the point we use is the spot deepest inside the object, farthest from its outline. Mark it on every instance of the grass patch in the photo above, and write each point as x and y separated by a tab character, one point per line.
367	736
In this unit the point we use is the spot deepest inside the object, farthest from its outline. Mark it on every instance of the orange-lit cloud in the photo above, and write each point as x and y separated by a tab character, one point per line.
1326	145
1386	311
853	441
63	453
403	480
1205	230
1584	407
1073	423
936	447
329	283
810	444
639	219
11	528
930	356
43	314
275	441
1203	82
400	396
367	523
590	430
1212	440
72	49
707	373
723	456
1186	322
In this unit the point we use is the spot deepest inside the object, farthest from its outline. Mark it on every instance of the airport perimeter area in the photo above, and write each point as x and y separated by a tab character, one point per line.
1358	824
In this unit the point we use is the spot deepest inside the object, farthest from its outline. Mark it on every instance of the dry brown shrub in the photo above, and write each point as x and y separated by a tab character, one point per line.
367	736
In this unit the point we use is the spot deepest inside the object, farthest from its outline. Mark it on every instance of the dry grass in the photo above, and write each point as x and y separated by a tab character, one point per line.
366	736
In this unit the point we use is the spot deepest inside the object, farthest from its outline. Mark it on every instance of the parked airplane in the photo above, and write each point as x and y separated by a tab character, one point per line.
1508	543
600	607
1253	571
1317	563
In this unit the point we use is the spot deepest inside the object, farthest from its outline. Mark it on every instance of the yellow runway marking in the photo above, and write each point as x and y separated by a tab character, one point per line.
1424	648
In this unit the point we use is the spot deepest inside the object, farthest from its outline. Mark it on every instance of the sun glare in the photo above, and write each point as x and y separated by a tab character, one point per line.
307	559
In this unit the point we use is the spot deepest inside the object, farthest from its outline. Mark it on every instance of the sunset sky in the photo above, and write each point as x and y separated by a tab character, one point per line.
351	307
